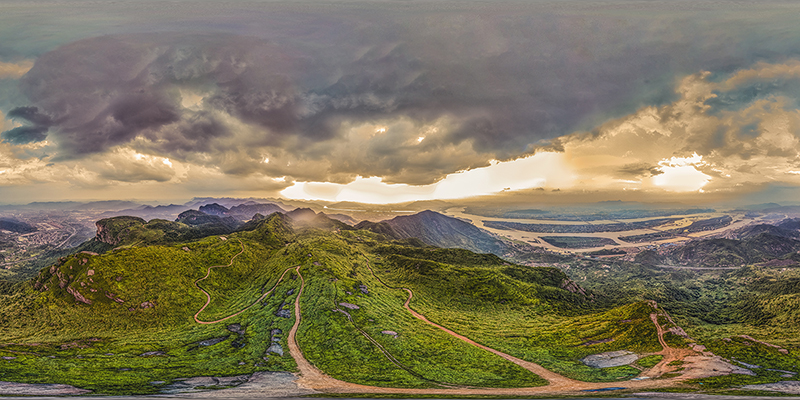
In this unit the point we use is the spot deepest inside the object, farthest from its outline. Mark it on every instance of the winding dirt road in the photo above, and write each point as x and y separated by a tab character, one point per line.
312	378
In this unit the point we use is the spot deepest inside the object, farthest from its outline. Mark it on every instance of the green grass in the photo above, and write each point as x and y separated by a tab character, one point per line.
529	320
649	361
430	356
519	310
45	322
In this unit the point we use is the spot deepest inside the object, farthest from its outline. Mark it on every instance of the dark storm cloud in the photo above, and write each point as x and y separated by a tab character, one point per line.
30	114
507	78
24	135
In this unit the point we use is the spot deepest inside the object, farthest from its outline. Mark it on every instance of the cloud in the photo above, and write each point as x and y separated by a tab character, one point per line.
693	144
24	134
491	90
337	92
542	170
14	70
699	142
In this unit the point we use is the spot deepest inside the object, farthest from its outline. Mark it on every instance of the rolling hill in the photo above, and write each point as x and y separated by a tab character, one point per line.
219	305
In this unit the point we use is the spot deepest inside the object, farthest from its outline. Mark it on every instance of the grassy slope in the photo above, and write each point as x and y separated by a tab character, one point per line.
98	346
508	314
713	305
431	356
68	342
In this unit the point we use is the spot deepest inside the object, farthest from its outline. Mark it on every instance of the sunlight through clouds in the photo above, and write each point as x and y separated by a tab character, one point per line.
542	170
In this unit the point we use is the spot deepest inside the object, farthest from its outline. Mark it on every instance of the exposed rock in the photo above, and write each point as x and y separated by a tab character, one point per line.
570	285
152	353
363	289
147	304
90	272
275	331
283	313
350	306
290	292
392	333
779	348
236	328
8	358
203	383
593	342
610	359
213	341
78	296
29	389
704	366
677	330
275	348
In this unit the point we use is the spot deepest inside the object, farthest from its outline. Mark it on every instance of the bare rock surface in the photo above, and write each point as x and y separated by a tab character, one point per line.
350	306
152	353
259	385
275	348
790	387
28	389
200	383
610	359
703	366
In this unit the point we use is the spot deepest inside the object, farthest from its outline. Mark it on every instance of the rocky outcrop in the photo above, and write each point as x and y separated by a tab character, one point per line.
152	354
39	389
78	296
350	306
570	285
275	348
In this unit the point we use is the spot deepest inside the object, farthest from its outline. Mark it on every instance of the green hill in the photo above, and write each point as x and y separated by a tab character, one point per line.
136	314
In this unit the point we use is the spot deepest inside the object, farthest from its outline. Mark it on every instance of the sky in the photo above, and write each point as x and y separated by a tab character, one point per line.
393	101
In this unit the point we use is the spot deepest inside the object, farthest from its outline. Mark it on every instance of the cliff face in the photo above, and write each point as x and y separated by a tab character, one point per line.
112	230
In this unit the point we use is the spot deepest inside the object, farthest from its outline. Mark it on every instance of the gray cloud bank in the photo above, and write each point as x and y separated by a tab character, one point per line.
475	83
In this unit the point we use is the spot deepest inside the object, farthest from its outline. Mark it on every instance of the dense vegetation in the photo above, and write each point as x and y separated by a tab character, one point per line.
118	321
117	317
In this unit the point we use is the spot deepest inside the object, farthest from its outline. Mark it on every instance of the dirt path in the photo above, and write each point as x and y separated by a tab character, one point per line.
208	296
312	378
670	354
550	376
